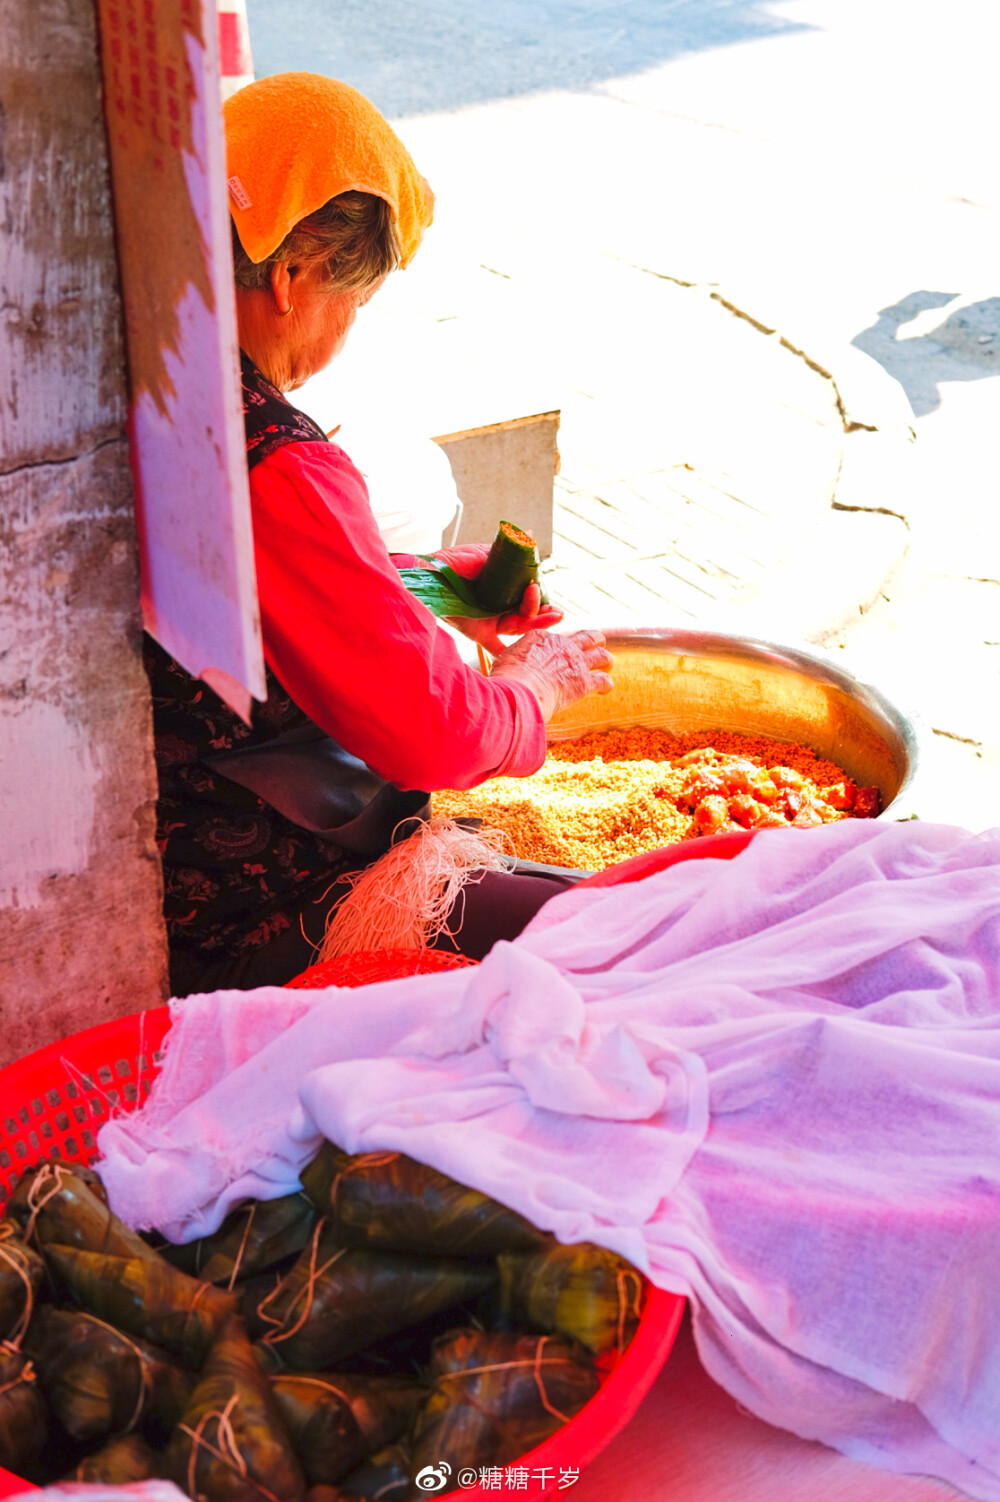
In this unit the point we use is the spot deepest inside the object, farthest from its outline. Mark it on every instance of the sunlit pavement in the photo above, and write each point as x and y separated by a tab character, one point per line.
613	181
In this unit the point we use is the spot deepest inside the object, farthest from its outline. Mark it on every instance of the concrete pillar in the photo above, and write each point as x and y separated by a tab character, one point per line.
81	934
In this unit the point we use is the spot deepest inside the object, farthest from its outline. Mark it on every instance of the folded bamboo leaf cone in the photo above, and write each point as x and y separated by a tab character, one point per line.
63	1205
24	1417
121	1462
231	1445
335	1420
254	1238
21	1274
583	1291
391	1201
146	1297
511	565
495	1396
99	1380
337	1300
250	1240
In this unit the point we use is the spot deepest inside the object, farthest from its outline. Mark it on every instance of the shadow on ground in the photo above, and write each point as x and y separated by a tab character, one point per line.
965	346
418	56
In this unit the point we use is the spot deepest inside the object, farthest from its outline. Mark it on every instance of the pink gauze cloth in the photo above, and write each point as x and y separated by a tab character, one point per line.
90	1491
773	1083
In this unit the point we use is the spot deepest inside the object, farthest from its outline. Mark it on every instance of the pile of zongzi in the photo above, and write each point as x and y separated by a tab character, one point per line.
323	1347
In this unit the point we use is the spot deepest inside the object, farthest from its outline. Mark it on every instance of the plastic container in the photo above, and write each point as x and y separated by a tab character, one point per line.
53	1103
372	965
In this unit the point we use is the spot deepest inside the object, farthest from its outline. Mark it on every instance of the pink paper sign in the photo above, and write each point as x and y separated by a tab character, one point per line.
162	102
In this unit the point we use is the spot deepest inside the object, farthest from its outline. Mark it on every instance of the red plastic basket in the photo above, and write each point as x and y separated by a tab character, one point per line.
377	964
53	1103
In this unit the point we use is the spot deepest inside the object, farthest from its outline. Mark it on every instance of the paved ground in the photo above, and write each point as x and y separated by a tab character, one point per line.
621	188
669	501
750	250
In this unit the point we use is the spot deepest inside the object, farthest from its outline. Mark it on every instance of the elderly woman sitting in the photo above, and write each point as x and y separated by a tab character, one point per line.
364	689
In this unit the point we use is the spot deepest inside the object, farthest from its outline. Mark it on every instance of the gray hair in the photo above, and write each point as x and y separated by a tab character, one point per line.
353	235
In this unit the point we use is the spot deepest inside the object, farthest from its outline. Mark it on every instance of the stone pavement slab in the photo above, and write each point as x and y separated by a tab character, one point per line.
697	452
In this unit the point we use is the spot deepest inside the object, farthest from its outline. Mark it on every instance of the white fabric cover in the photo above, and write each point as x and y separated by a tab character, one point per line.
773	1083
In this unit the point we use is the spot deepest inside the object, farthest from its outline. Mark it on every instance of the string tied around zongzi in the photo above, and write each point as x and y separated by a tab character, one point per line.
241	1249
226	1436
307	1293
46	1184
629	1300
16	1261
360	1164
199	1294
535	1364
143	1391
26	1373
324	1385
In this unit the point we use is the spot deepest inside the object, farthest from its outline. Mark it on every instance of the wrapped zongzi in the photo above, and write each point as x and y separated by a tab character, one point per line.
124	1460
24	1418
146	1297
21	1275
590	1294
495	1396
337	1300
231	1445
56	1203
249	1241
99	1380
389	1201
335	1421
383	1478
511	565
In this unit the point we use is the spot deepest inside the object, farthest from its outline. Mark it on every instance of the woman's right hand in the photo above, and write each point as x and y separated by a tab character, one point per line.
558	669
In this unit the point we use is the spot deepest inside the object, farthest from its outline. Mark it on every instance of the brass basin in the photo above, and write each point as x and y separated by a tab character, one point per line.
699	680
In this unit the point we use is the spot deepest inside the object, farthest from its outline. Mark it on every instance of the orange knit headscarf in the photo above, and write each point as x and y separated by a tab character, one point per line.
296	140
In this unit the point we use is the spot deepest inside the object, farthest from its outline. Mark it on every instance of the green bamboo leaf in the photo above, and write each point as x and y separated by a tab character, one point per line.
443	591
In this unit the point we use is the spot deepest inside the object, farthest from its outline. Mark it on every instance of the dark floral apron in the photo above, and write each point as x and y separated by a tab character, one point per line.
236	872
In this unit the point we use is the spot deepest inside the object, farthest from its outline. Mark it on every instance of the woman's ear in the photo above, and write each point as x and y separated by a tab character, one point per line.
281	287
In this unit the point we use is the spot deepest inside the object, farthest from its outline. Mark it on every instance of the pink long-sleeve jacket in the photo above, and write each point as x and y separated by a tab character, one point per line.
355	650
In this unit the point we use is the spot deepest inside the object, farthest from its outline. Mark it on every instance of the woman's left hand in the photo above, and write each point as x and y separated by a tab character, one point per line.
532	615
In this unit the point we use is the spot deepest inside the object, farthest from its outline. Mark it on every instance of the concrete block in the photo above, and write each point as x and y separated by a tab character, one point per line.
506	470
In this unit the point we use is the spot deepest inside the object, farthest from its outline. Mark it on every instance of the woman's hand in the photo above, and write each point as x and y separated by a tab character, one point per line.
558	669
532	615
